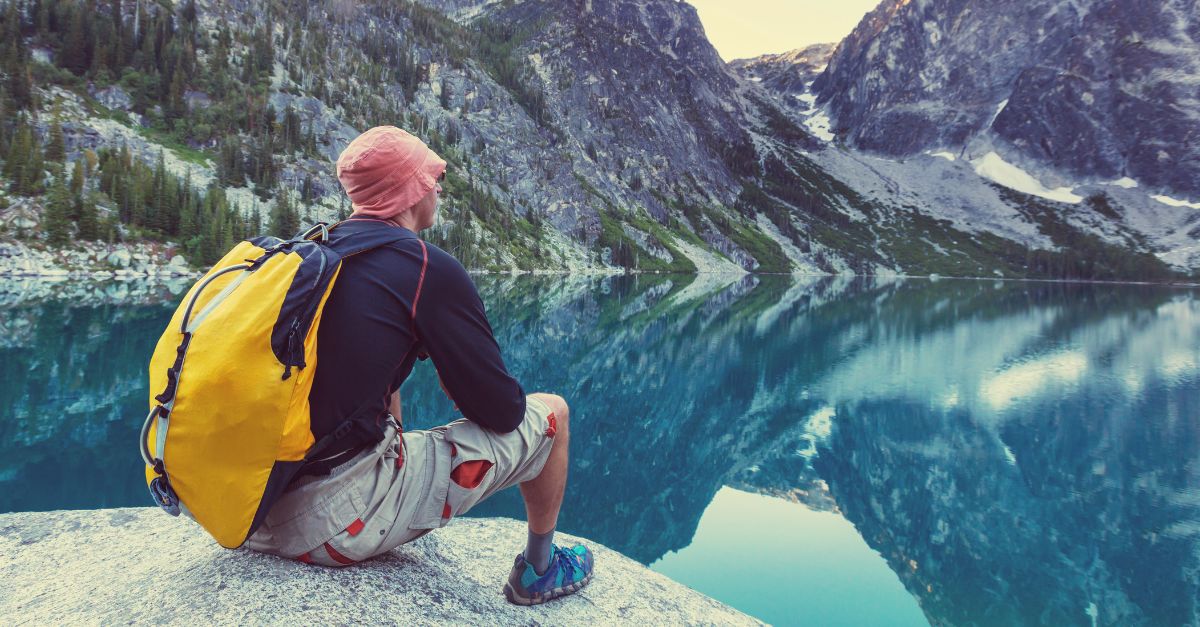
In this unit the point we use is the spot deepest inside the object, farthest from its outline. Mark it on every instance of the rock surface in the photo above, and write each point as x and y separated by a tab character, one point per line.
137	565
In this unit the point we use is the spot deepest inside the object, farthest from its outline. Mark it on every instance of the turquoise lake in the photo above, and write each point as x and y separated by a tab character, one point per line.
810	450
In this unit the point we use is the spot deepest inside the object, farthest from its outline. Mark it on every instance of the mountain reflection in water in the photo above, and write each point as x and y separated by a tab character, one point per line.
1018	453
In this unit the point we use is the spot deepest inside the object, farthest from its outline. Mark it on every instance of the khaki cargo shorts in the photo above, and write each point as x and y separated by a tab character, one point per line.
404	487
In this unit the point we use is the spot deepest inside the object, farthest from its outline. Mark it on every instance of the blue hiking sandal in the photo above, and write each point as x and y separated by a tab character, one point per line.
570	569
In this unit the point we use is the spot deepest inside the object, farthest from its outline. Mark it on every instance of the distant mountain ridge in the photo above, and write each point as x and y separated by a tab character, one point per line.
789	73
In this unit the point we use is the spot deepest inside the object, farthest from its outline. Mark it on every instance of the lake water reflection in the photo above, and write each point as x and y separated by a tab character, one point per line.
1008	453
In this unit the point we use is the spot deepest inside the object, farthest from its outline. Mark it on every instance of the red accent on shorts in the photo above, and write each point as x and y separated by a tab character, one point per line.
337	557
355	527
446	510
306	558
470	474
553	428
399	456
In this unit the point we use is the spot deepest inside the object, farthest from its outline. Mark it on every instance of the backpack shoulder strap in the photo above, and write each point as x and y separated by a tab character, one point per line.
348	244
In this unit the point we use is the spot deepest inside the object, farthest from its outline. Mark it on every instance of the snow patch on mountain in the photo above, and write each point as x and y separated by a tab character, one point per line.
1175	202
820	126
999	108
991	166
1123	182
949	190
816	120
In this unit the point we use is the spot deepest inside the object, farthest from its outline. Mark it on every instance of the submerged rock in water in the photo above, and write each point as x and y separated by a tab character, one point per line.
137	565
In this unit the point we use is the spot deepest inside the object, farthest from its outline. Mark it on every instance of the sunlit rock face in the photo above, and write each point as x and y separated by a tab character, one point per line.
1093	88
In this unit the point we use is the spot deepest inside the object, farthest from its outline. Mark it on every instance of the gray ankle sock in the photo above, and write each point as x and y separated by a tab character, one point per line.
537	550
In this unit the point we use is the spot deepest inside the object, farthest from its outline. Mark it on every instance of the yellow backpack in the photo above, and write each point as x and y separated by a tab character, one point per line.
228	432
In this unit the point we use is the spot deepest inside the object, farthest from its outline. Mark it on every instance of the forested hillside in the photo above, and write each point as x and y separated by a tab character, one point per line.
601	137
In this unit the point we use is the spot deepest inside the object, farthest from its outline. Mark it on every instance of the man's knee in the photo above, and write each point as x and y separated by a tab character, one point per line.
558	405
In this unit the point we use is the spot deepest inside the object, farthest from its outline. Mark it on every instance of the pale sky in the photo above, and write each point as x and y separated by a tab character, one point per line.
748	28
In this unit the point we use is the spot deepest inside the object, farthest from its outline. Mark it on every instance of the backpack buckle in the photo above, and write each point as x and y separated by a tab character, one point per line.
343	429
164	496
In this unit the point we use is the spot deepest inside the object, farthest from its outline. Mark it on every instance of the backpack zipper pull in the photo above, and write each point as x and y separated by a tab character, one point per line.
291	349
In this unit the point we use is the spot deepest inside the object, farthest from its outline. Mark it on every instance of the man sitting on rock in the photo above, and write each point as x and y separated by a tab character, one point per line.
389	307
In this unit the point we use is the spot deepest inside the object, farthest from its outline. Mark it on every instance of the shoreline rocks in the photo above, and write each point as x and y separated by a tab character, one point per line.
92	260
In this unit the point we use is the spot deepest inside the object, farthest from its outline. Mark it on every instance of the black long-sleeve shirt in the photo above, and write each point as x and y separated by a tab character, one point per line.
388	306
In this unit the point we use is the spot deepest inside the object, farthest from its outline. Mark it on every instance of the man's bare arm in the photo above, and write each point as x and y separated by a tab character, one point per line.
394	407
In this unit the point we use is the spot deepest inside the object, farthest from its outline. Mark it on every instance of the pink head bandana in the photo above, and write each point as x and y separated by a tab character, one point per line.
386	171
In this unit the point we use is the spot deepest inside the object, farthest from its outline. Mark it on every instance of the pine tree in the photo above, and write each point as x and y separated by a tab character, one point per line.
32	173
56	222
89	221
18	154
76	190
187	214
103	53
176	107
165	213
75	55
225	234
229	166
264	174
306	190
77	179
130	34
16	59
292	136
285	219
189	12
5	106
56	149
265	49
90	160
41	11
118	42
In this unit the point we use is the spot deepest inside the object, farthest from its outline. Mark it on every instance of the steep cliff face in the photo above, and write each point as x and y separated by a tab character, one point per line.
1098	90
640	88
1119	98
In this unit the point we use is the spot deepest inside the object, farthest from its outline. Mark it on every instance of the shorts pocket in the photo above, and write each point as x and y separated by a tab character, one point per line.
470	482
429	514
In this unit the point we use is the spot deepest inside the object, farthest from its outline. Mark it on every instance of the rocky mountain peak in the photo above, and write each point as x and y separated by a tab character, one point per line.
1096	90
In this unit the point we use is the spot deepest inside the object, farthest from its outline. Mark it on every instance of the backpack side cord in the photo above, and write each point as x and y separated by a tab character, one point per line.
160	486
